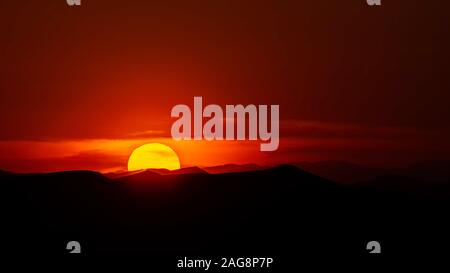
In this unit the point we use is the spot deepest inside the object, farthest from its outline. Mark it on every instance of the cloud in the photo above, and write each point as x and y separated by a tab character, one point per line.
149	134
324	130
89	160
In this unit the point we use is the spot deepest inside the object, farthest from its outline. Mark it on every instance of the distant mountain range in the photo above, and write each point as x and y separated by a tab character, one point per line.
228	168
347	172
280	211
338	171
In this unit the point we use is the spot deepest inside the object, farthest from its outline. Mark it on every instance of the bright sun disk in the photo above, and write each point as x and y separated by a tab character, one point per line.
153	156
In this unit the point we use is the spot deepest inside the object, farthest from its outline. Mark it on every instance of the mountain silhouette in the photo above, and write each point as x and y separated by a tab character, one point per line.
282	211
227	168
348	172
4	173
343	171
430	170
187	170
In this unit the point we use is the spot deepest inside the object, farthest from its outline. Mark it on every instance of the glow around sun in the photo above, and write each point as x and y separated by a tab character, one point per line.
153	156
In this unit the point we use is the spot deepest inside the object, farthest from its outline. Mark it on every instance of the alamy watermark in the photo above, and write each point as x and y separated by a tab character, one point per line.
234	116
73	2
373	2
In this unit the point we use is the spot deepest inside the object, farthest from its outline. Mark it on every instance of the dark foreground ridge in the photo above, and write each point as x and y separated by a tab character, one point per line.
281	212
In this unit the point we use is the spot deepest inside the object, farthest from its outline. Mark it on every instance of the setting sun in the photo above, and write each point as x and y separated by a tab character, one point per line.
153	156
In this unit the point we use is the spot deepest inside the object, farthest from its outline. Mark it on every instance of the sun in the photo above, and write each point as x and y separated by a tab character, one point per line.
153	156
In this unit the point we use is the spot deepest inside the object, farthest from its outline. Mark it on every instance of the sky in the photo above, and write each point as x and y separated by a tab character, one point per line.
81	87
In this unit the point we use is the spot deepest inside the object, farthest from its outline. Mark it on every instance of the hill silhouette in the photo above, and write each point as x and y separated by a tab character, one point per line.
233	168
348	172
343	171
280	211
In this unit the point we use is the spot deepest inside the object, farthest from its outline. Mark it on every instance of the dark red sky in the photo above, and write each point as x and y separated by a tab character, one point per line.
358	82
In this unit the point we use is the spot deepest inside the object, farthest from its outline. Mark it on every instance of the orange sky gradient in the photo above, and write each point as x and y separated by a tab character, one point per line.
319	142
81	87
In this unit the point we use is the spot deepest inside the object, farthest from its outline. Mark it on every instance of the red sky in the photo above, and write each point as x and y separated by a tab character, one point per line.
82	86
